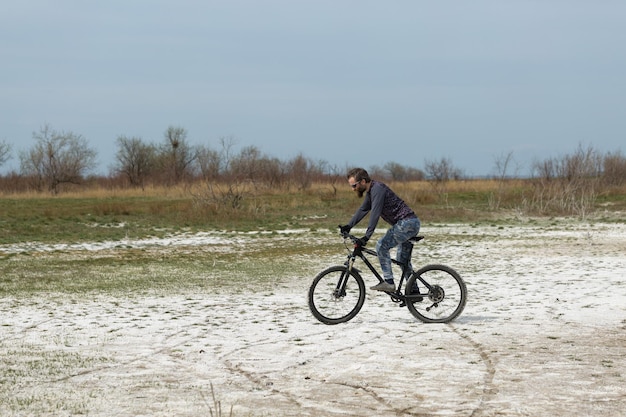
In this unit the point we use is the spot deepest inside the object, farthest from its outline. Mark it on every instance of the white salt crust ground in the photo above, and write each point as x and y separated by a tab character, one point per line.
543	334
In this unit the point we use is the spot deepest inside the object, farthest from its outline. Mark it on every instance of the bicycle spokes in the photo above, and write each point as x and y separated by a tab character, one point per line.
446	296
336	295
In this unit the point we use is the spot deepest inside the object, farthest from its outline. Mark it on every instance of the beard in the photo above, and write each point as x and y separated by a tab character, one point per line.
361	191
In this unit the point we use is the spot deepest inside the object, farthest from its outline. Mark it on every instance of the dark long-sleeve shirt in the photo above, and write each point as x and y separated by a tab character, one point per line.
381	201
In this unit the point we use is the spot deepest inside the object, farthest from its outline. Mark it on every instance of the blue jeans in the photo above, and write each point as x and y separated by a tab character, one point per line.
398	235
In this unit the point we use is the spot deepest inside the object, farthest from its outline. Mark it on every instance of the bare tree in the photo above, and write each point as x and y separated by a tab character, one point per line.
176	155
226	154
209	162
502	164
441	172
213	164
250	165
614	169
567	184
333	174
57	158
234	170
5	152
378	172
301	170
400	172
135	159
272	171
245	165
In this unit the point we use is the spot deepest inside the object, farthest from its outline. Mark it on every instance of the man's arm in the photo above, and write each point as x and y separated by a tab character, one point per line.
361	212
377	195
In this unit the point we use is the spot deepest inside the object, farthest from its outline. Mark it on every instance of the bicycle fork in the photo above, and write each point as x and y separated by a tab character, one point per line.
340	290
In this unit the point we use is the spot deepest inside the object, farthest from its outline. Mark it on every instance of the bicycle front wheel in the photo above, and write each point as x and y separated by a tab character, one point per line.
336	295
442	300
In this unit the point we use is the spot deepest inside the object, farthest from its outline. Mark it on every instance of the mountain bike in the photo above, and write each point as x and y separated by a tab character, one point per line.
433	293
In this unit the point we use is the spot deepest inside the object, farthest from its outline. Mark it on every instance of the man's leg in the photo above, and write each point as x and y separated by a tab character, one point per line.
383	246
395	236
408	229
384	257
405	230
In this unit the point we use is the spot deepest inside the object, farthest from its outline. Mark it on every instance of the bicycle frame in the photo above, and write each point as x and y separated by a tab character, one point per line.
397	296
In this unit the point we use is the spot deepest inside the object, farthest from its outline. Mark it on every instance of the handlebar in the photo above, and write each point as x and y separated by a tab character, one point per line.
346	235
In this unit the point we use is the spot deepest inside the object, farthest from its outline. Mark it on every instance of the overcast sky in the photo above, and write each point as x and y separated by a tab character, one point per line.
350	82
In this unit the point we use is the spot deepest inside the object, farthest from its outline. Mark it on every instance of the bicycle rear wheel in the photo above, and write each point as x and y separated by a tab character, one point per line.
443	301
336	295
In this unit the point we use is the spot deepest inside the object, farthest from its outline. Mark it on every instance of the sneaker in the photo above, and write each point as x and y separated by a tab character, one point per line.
384	286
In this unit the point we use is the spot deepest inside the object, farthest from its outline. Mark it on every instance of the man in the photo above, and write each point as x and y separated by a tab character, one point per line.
381	202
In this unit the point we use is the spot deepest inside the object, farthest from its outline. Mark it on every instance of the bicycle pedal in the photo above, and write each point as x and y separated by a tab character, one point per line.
402	304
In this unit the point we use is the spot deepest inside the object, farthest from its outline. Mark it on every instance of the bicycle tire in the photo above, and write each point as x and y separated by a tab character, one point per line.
444	302
330	306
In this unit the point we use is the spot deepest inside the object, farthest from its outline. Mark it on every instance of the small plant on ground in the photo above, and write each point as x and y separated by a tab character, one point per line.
215	410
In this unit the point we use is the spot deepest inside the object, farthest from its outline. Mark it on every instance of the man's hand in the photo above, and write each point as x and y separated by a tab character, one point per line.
362	241
344	230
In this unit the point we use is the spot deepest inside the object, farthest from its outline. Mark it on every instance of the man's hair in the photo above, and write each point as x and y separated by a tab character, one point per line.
359	174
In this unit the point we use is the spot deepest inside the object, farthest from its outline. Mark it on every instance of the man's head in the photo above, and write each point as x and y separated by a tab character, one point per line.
359	180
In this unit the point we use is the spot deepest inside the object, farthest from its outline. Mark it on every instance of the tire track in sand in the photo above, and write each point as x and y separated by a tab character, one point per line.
489	389
263	381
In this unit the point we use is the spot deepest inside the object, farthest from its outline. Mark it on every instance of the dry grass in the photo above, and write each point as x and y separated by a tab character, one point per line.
99	192
183	190
247	206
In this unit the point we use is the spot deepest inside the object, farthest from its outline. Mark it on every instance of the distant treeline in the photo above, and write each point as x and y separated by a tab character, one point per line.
60	161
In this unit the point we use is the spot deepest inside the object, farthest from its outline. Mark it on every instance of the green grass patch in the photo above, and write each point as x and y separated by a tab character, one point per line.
255	266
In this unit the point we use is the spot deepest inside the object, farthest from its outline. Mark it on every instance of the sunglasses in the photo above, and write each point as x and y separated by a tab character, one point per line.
356	184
